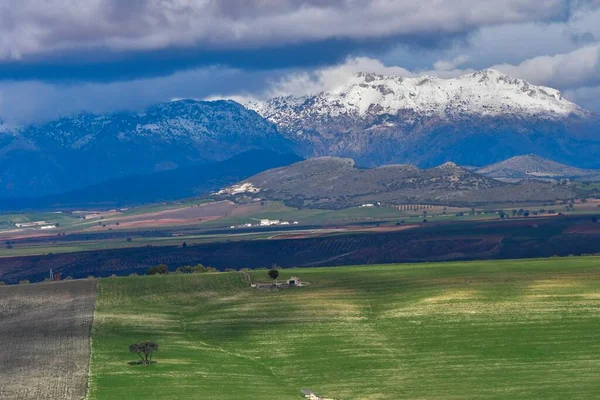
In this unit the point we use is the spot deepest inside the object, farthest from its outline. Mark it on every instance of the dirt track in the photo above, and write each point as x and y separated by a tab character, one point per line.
44	340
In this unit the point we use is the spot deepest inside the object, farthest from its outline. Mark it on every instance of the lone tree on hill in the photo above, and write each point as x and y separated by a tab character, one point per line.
145	350
274	274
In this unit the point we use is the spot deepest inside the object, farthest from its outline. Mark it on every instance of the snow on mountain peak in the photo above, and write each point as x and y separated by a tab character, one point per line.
484	93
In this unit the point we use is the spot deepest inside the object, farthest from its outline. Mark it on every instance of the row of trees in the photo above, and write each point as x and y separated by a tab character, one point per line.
163	269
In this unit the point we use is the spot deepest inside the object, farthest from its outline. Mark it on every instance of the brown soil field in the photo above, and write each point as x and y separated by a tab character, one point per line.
45	340
211	210
179	216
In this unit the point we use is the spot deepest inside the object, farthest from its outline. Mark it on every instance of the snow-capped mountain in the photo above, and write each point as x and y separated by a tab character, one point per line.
483	93
380	119
86	149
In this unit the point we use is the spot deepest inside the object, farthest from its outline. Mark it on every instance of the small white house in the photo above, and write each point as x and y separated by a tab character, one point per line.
294	281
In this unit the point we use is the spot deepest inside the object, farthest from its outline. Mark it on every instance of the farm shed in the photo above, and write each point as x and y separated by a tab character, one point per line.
294	281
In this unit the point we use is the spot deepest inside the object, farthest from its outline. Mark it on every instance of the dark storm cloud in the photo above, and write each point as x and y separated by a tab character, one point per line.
581	39
102	65
116	39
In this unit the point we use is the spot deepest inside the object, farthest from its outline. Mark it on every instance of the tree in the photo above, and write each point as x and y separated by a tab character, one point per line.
145	350
274	274
161	269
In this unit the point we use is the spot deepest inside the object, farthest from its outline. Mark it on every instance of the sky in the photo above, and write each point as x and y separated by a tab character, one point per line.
61	57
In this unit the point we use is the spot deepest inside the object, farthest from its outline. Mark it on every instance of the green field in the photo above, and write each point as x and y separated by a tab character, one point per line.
493	329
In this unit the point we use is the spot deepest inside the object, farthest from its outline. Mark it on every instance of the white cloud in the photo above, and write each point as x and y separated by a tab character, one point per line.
449	65
33	101
332	77
33	27
328	78
576	69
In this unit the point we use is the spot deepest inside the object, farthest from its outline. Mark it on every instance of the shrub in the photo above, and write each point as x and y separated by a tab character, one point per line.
24	282
69	278
2	283
200	269
188	269
160	269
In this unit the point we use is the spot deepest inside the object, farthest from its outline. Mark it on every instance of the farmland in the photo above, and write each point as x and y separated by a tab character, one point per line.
44	337
433	241
485	329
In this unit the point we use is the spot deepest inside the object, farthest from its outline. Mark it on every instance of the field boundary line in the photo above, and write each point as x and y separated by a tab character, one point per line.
88	389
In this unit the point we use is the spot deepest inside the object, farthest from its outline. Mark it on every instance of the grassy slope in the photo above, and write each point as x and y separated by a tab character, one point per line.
496	329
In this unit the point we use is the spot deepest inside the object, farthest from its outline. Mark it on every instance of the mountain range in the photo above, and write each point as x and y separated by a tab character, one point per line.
477	119
87	149
335	183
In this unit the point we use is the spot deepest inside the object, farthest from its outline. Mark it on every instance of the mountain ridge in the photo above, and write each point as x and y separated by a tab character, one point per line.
486	92
532	166
475	119
85	149
336	183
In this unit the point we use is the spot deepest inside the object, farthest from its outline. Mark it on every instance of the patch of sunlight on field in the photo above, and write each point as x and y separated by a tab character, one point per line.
494	329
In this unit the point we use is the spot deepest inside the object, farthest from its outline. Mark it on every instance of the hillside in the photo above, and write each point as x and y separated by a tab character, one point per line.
79	151
475	119
337	183
532	166
494	329
175	184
